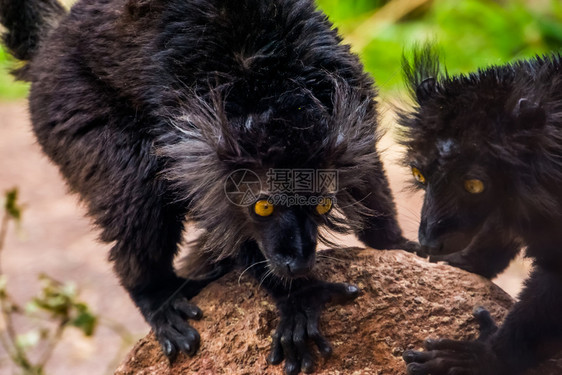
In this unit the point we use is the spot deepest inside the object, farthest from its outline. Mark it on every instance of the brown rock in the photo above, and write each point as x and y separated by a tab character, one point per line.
405	299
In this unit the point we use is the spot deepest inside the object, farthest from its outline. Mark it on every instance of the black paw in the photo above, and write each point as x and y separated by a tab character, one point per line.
486	324
298	329
412	247
170	324
472	263
449	357
453	259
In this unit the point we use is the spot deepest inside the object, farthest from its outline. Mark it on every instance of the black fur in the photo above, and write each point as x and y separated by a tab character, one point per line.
27	23
147	106
502	126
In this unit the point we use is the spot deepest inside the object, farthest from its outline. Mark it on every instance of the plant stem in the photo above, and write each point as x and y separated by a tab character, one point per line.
53	342
8	336
127	339
3	232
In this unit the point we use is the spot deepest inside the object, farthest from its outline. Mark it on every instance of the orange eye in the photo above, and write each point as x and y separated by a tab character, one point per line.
324	206
474	186
418	176
263	208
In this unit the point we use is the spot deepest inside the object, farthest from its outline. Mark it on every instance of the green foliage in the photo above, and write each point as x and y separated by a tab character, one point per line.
53	310
61	302
11	206
341	11
470	33
9	88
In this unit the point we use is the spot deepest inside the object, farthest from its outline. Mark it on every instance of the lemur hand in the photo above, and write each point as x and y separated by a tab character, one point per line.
298	328
449	357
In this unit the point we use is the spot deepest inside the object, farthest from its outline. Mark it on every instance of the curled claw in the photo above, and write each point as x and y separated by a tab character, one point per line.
340	293
413	247
486	324
454	260
451	259
299	329
450	357
172	329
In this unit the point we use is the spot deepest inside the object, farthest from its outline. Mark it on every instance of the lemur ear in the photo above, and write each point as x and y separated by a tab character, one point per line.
529	114
425	89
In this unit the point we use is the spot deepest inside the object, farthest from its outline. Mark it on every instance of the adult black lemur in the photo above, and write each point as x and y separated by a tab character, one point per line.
147	107
487	149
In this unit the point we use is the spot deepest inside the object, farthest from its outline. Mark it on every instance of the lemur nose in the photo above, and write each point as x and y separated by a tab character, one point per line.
428	245
299	267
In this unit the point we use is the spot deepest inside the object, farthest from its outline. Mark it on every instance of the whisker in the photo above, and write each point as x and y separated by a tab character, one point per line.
409	210
243	272
267	274
357	202
406	220
410	215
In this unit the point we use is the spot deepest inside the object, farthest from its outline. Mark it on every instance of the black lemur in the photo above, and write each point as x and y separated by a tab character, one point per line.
486	148
148	106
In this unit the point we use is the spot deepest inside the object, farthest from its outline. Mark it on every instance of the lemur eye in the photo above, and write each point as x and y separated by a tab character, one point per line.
324	206
418	175
263	208
474	186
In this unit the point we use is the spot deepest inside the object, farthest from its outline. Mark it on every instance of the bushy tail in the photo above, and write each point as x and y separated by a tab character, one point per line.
27	22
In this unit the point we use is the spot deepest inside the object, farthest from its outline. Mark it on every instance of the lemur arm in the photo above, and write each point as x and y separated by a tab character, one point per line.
300	303
488	254
381	230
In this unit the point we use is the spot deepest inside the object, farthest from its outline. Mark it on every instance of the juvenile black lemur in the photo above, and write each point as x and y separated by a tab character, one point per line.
487	149
148	106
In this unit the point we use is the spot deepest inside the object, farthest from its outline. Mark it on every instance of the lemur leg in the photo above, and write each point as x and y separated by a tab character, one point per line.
300	304
381	230
133	206
489	253
143	256
104	149
531	332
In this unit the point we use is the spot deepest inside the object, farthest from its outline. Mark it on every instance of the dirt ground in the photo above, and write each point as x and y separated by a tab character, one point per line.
56	239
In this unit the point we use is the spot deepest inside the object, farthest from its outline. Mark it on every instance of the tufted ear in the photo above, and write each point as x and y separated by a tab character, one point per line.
425	89
529	114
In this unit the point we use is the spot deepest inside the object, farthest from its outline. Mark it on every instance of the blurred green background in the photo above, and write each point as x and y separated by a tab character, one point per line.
470	33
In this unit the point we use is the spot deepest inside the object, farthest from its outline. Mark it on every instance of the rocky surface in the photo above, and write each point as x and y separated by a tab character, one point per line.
404	300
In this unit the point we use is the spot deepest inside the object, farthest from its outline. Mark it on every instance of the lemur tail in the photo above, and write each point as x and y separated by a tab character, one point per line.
27	23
